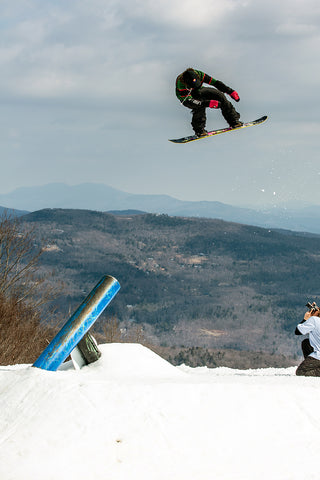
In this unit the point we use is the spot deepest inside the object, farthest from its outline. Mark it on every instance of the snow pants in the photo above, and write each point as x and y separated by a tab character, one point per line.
310	367
199	118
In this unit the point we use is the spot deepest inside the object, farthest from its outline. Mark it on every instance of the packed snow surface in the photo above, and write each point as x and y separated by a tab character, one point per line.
132	415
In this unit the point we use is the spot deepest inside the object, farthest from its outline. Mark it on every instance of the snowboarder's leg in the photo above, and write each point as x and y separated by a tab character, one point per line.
198	121
227	109
310	367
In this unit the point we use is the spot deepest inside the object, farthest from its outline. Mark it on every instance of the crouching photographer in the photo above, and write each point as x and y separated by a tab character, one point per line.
310	367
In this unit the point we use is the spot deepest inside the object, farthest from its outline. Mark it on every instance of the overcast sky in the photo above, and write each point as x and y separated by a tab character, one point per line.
87	95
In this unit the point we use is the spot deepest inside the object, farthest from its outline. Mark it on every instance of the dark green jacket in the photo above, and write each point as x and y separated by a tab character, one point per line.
184	93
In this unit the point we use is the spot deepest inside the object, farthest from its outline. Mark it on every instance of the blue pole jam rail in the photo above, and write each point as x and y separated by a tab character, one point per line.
78	324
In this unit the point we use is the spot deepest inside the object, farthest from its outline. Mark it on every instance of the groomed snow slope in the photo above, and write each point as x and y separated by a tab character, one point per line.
132	415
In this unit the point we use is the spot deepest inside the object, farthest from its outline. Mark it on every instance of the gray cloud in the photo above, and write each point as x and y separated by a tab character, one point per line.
87	93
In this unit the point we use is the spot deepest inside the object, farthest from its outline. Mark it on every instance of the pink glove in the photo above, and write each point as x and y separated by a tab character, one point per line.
235	96
213	104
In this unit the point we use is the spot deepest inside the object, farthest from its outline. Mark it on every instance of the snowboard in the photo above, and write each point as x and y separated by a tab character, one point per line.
191	138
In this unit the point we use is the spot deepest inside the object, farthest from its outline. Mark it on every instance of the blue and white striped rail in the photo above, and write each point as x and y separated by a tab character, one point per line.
78	324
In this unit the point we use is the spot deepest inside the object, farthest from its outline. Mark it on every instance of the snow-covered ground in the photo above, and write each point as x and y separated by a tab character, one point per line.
132	415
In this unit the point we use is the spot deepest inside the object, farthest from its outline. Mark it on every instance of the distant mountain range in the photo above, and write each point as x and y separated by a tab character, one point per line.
188	281
14	212
103	198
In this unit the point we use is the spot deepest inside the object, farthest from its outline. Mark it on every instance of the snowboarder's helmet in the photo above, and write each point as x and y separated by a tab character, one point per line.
191	78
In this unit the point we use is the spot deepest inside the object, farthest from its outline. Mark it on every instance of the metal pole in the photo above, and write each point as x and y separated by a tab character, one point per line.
78	324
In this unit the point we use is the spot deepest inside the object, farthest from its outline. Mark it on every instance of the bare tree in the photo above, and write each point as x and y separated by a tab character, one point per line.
17	264
113	333
23	293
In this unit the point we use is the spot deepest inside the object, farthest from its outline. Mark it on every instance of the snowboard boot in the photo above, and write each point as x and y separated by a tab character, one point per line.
236	124
201	133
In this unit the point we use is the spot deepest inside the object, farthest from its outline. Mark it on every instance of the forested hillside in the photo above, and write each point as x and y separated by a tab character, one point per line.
188	281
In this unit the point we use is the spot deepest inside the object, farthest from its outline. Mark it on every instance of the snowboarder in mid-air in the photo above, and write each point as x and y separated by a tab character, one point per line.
193	95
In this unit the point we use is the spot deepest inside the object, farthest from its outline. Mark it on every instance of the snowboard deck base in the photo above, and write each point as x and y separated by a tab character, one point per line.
191	138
